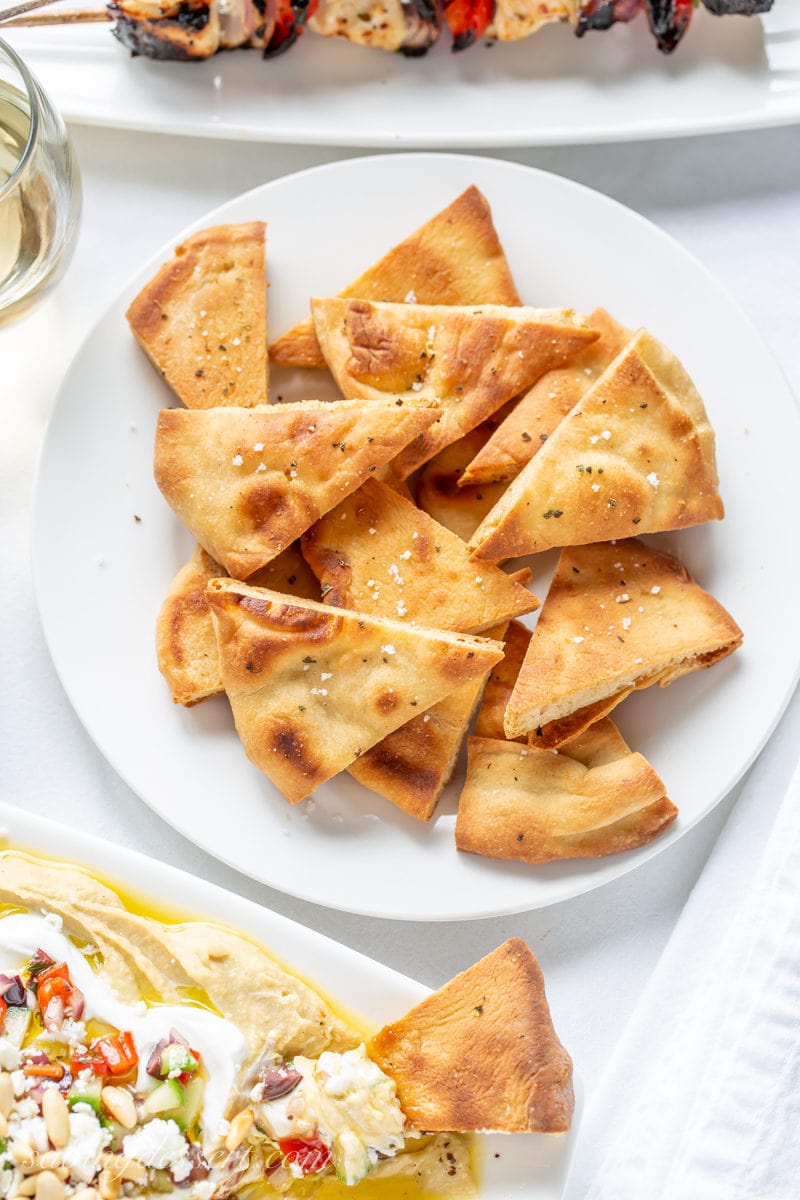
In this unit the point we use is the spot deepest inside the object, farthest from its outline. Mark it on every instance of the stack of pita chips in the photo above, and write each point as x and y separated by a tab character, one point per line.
350	548
379	554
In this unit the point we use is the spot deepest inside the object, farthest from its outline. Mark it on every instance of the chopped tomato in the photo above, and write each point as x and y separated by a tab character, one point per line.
309	1154
44	1070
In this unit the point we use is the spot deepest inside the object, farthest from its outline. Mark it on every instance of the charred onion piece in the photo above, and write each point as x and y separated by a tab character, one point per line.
424	23
602	14
669	20
290	17
742	8
467	20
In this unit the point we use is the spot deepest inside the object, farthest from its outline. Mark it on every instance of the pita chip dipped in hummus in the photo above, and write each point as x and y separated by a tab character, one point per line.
141	1056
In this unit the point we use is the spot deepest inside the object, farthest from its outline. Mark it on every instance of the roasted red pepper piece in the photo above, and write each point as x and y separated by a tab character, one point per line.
117	1052
290	17
309	1154
55	994
468	20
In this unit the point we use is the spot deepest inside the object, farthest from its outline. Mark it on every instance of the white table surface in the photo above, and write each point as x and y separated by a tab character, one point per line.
733	200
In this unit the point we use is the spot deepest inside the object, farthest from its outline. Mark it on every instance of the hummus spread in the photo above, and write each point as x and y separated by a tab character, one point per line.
139	1056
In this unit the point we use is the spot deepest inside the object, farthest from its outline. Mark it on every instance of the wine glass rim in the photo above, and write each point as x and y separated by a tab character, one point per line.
11	183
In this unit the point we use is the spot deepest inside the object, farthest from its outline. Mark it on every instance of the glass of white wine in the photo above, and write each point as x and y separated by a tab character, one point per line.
40	191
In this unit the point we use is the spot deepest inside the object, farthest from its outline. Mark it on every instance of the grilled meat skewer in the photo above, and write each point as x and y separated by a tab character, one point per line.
186	30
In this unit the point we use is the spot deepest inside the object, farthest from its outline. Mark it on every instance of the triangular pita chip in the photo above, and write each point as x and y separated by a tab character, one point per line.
312	687
500	684
531	422
202	319
377	553
472	359
438	494
481	1053
413	765
455	258
591	798
636	455
248	481
618	616
185	642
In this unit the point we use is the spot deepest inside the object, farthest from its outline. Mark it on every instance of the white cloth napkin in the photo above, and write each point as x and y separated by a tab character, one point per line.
701	1099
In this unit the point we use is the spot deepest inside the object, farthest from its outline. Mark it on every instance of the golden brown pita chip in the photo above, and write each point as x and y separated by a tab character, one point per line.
472	359
535	416
186	646
618	616
438	494
202	319
377	553
636	455
455	258
500	684
312	687
481	1053
591	798
248	481
412	766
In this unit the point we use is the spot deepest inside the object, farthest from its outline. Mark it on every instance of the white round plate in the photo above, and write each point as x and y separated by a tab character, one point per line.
106	545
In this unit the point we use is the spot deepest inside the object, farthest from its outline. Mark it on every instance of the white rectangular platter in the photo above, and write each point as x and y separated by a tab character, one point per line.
549	89
533	1166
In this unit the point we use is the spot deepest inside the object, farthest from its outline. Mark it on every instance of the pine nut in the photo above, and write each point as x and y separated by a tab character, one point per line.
27	1187
3	1127
120	1104
56	1117
239	1128
48	1186
6	1093
85	1193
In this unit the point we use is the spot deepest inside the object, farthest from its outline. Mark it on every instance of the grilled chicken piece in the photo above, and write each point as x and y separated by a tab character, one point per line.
513	20
410	26
184	31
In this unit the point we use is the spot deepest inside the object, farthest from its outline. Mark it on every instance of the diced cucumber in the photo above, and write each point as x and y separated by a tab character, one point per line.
163	1098
189	1113
177	1060
86	1093
16	1024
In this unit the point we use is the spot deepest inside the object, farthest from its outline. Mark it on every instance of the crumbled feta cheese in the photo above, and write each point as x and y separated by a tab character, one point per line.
10	1056
88	1139
159	1144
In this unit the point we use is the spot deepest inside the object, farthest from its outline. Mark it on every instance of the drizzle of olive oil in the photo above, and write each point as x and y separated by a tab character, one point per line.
331	1188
